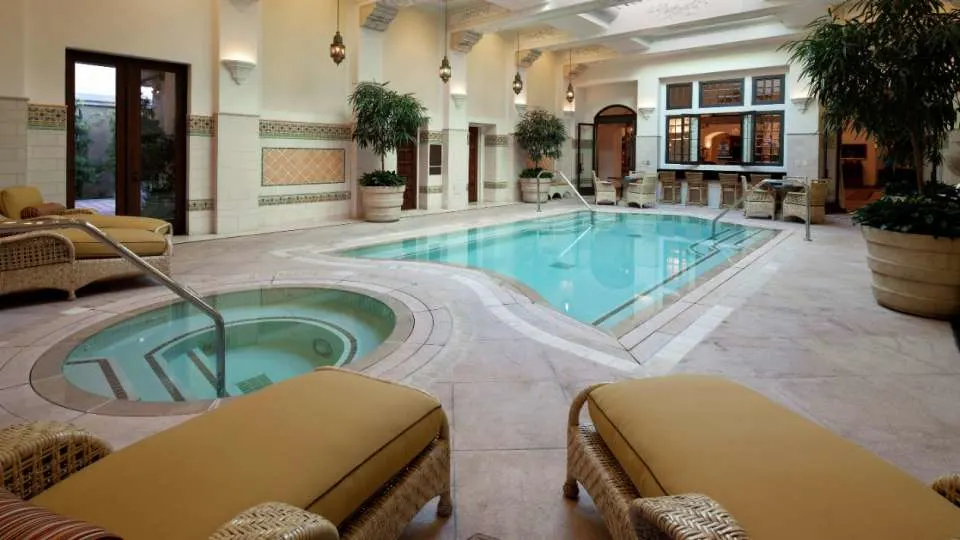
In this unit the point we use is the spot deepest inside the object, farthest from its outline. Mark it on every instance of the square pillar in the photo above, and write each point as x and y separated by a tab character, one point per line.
456	142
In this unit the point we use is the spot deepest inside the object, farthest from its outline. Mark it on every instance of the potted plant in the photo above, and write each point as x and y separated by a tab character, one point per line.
542	135
384	120
891	69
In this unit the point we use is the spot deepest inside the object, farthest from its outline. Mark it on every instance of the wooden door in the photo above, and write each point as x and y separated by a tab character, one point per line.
473	194
407	167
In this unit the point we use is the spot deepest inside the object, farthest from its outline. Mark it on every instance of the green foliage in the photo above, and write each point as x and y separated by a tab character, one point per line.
541	134
935	212
382	179
86	170
157	155
889	69
534	172
385	119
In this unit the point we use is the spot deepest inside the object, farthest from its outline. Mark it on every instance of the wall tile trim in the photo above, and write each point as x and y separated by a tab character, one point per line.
201	126
303	198
52	117
431	190
497	140
200	205
281	129
494	185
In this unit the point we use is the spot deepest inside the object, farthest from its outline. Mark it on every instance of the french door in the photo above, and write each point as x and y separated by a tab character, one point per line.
585	161
127	136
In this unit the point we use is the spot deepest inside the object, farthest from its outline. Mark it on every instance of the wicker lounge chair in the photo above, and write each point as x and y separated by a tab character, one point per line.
15	201
655	443
642	192
605	191
356	472
696	189
759	202
795	203
730	189
669	188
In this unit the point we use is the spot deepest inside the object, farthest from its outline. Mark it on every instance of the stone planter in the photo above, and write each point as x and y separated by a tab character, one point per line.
915	273
528	189
381	204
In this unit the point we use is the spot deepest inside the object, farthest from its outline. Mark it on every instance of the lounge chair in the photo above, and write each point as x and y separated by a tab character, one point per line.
642	192
605	191
669	187
795	202
730	189
759	202
696	189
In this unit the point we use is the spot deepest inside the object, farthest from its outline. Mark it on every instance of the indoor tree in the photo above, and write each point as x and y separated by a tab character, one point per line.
385	120
541	134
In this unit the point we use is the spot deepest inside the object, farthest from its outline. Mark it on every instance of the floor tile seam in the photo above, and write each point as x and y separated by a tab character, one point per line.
490	450
675	350
390	372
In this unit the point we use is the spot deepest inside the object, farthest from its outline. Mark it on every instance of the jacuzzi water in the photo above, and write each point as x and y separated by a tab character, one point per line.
167	354
602	269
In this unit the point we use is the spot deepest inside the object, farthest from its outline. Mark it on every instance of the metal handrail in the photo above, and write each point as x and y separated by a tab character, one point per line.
182	291
713	225
569	183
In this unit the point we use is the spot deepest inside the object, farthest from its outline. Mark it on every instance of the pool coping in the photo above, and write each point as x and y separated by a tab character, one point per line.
48	381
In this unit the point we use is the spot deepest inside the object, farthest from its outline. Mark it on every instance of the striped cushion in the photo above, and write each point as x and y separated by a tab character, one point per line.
20	520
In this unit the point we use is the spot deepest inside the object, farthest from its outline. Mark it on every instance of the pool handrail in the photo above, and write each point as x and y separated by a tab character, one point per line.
184	292
565	179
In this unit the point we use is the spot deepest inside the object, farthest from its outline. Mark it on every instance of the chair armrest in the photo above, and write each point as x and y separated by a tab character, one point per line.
79	211
949	487
683	517
33	249
277	521
35	456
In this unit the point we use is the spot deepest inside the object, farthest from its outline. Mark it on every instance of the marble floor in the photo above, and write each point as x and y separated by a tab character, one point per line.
794	320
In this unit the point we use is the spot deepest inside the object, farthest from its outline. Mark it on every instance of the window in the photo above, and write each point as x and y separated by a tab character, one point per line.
680	96
768	90
436	159
768	138
721	93
721	140
681	130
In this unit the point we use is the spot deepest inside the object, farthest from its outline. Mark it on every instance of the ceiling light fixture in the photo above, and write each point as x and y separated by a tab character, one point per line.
570	95
517	80
338	51
445	70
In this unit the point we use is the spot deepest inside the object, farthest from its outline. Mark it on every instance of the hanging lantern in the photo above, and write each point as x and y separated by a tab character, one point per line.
445	70
570	94
338	51
517	84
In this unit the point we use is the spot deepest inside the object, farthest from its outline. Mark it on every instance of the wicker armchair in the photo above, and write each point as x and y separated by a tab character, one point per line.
696	189
605	191
669	188
759	202
642	193
795	203
730	189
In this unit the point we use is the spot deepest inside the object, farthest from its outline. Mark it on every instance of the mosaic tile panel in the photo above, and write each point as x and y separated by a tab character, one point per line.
304	198
435	137
303	166
431	190
497	140
495	185
280	129
46	116
201	126
200	205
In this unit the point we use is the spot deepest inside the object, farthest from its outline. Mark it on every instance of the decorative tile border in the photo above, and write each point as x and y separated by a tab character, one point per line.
200	205
304	198
497	140
435	137
495	185
201	126
303	166
53	117
431	190
281	129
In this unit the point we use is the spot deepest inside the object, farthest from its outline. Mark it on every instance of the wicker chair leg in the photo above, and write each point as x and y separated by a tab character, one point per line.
71	294
571	489
445	506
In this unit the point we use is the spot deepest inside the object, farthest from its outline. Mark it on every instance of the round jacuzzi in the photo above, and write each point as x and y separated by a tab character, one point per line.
163	360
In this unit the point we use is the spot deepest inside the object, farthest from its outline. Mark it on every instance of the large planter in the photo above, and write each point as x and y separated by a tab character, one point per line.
915	273
381	204
529	189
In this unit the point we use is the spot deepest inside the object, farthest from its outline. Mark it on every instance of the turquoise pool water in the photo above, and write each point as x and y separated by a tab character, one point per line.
601	269
167	354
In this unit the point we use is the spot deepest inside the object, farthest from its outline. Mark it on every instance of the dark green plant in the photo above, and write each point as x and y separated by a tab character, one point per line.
935	212
385	120
534	172
85	169
541	134
889	69
382	179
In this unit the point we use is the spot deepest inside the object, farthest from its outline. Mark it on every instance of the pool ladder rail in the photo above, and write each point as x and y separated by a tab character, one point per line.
572	187
184	292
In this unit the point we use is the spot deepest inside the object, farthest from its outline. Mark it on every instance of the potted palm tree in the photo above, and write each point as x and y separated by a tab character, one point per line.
542	135
384	120
891	70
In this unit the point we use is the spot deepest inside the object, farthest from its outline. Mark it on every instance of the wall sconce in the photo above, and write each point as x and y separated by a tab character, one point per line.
646	112
239	69
459	98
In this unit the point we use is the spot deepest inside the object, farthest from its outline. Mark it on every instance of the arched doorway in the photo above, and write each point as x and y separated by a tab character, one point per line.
613	149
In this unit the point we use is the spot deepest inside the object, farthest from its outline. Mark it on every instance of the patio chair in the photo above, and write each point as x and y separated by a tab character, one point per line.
795	203
642	193
696	189
669	187
759	202
730	190
604	190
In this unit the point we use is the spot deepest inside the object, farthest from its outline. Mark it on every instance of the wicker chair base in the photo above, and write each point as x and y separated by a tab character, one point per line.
92	270
799	211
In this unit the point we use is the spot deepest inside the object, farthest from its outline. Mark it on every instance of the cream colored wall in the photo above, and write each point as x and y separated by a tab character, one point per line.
12	53
542	83
300	82
489	74
412	49
870	164
173	30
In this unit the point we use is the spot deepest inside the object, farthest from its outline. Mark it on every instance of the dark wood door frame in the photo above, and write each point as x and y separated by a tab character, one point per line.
407	167
473	182
630	120
128	76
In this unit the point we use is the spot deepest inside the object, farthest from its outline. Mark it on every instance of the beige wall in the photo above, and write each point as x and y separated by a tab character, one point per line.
412	49
489	73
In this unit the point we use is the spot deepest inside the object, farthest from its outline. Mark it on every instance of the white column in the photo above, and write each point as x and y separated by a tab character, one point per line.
238	120
456	143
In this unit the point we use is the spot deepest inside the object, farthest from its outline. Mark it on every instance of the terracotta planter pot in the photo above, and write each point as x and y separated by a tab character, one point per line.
528	189
381	204
915	273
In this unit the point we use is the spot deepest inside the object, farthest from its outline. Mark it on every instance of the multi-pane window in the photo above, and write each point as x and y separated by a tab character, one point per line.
721	93
768	138
680	134
680	96
768	90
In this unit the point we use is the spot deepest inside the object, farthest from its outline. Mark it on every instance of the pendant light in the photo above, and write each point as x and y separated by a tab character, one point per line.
338	51
517	80
570	94
445	70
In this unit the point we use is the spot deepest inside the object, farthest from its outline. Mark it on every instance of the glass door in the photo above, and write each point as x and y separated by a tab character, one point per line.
94	137
585	159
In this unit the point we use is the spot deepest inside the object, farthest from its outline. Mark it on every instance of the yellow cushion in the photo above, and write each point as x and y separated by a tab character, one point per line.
14	199
781	476
143	243
325	441
124	222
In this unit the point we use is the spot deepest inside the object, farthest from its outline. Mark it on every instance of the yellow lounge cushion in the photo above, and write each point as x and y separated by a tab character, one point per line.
124	222
14	199
325	441
143	243
782	476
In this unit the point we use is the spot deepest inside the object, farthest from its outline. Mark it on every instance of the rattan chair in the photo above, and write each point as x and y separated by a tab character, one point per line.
730	190
605	191
759	202
642	193
795	203
669	187
696	189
